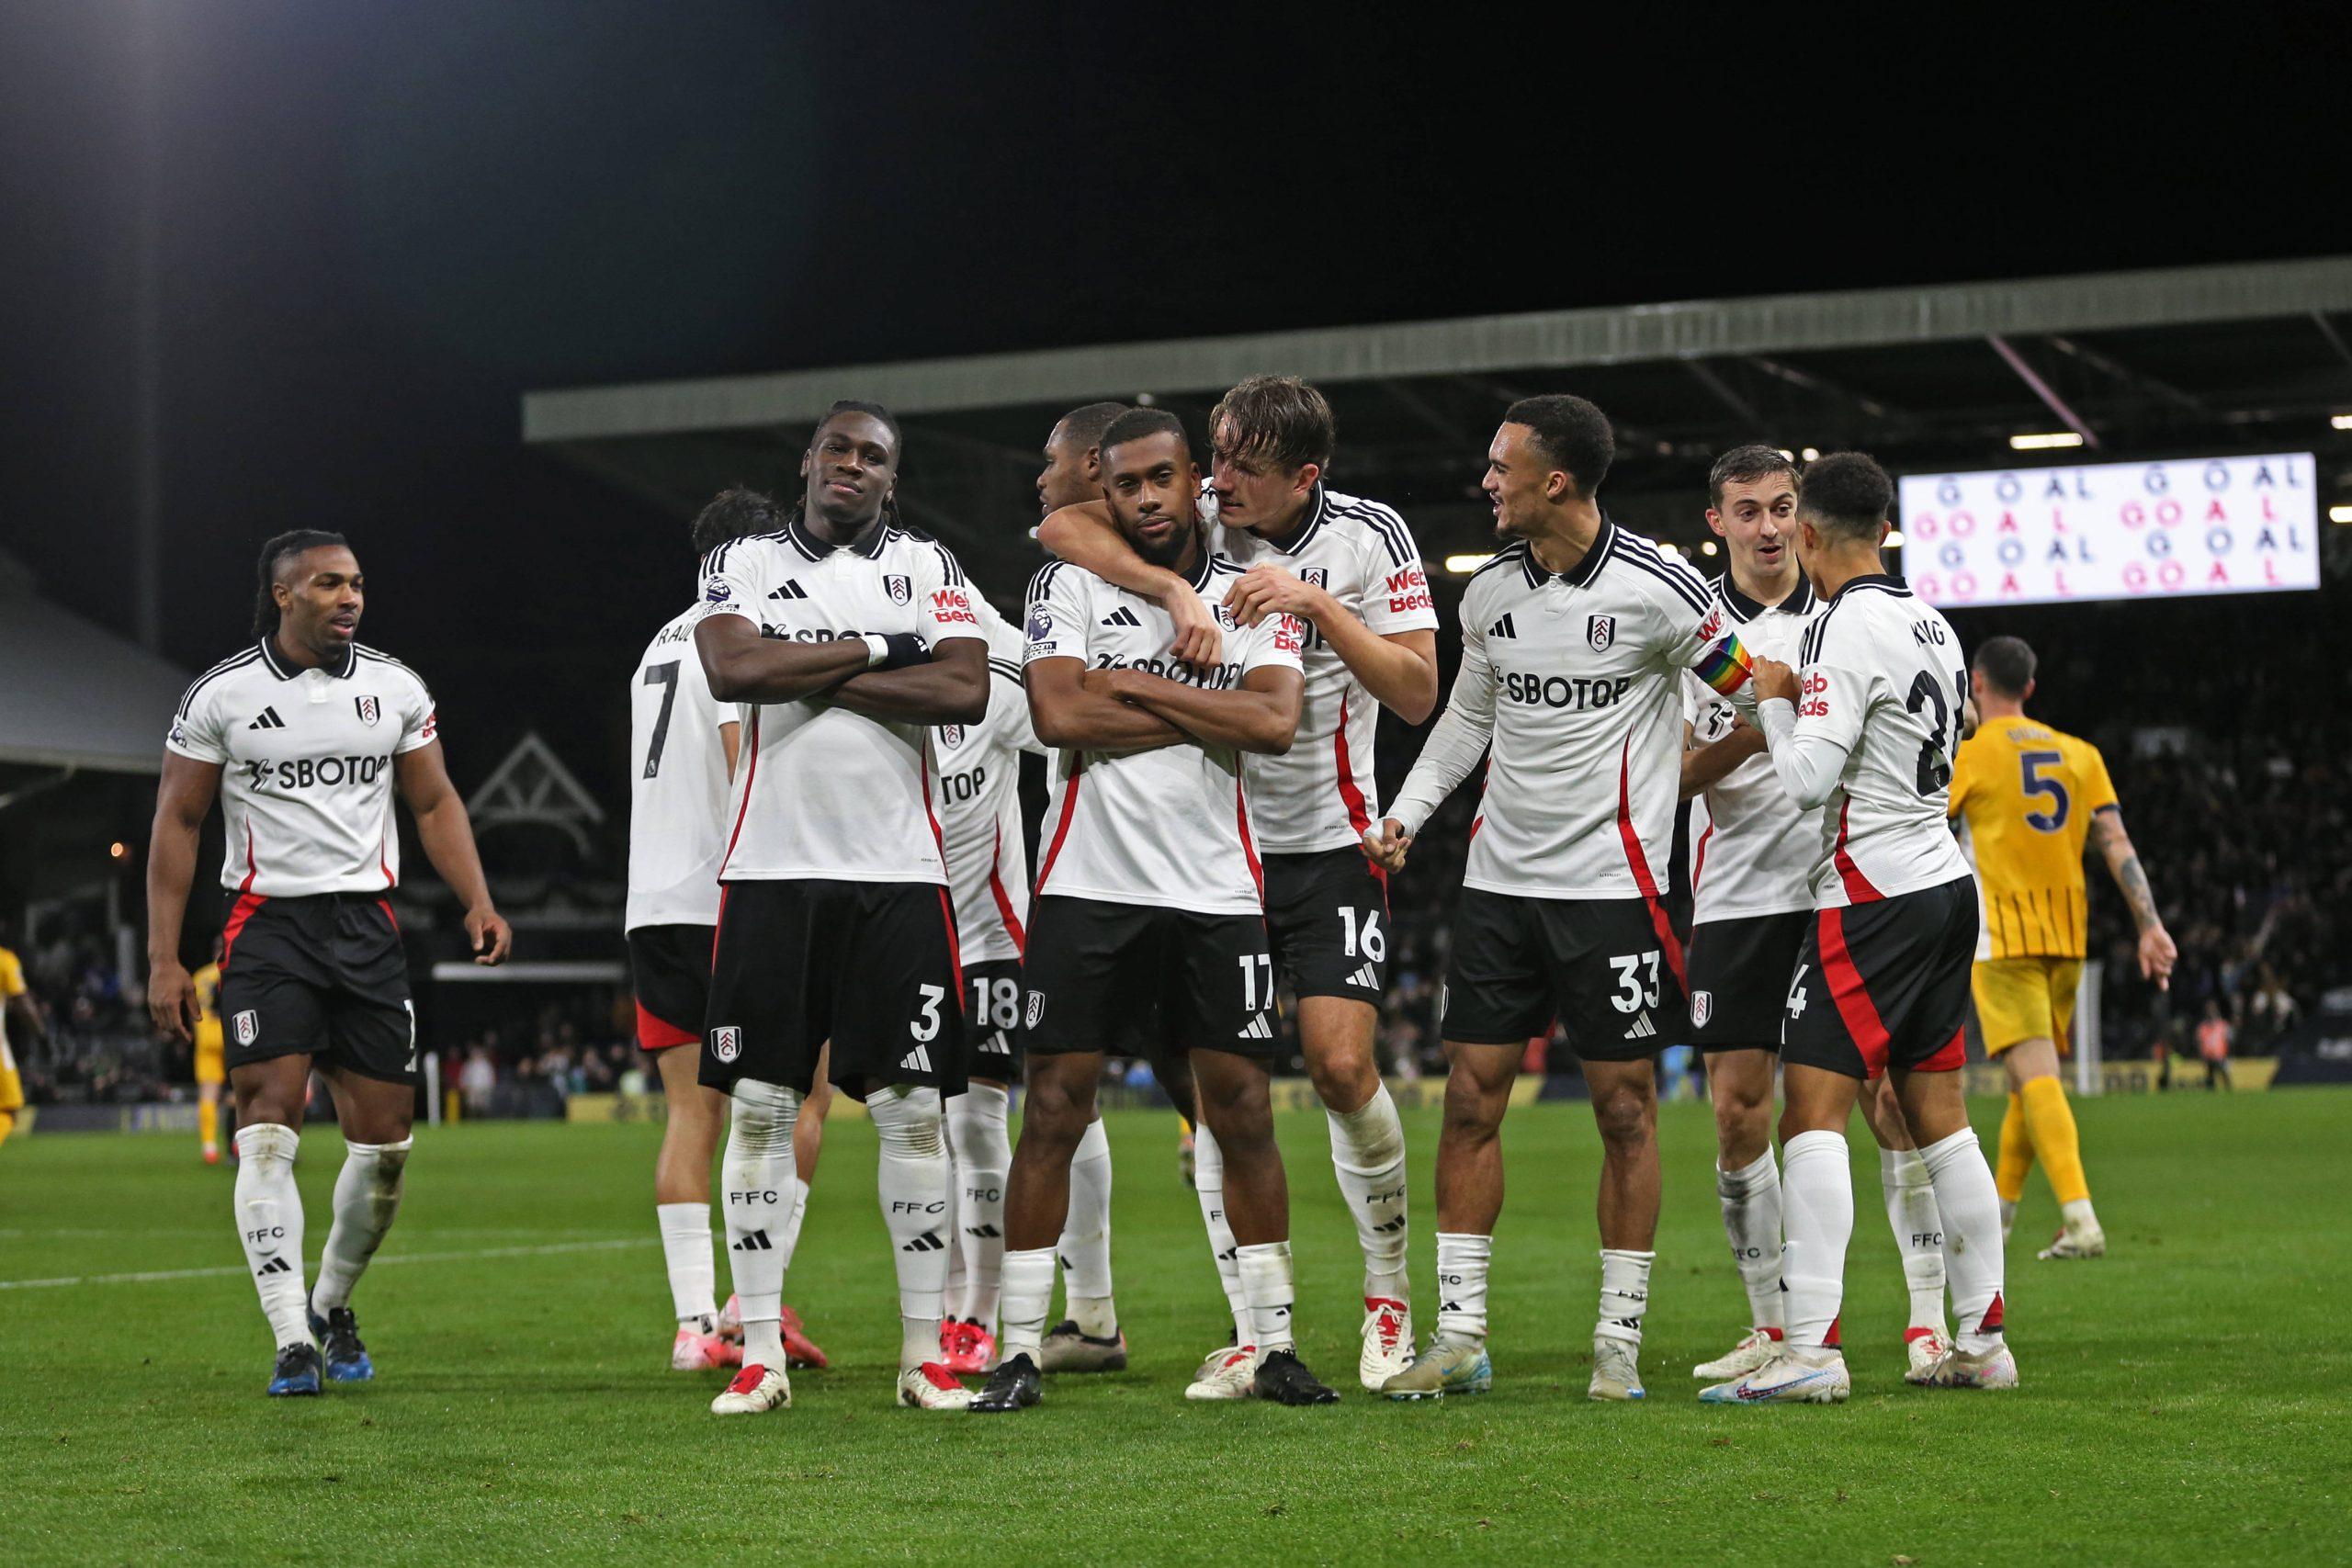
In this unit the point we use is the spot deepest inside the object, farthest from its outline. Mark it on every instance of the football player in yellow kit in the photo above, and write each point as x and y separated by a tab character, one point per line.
17	1006
2032	796
210	1074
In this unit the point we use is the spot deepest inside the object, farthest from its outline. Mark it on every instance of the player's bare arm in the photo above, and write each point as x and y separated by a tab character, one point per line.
1261	714
447	835
181	800
1704	765
1086	537
1071	709
745	667
2158	953
949	687
1399	669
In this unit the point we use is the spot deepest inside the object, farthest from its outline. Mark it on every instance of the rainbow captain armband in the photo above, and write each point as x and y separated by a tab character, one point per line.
1725	666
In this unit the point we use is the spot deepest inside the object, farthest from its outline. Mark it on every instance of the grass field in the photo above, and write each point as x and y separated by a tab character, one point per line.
2185	1400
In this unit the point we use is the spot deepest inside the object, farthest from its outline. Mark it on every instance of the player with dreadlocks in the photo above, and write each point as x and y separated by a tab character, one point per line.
302	735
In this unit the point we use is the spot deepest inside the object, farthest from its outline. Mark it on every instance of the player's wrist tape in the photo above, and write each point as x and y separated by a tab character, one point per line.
893	650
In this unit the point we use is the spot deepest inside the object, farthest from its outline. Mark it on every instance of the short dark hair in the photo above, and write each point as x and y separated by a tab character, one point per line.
274	553
1136	424
1572	433
2007	665
1279	420
735	513
1847	493
1744	466
1087	424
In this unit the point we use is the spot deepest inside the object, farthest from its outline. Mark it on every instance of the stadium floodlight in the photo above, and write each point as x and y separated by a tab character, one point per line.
1463	566
2339	514
1707	548
1809	453
1895	538
2045	441
2341	421
1784	452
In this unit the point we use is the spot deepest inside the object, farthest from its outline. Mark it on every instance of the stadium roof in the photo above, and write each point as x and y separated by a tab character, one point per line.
78	695
2240	357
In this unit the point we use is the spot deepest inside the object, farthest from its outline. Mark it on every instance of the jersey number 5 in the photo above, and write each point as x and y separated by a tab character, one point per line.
2029	765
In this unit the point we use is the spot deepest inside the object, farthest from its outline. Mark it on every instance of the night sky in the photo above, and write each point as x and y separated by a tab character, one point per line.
381	224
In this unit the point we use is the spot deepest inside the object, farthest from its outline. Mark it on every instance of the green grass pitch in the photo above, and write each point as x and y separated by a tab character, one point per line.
2185	1400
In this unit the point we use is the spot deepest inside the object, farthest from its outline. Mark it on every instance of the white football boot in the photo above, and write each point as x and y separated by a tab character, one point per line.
1614	1374
2080	1238
1231	1373
1962	1368
1760	1346
1923	1350
1793	1377
755	1390
1387	1341
932	1387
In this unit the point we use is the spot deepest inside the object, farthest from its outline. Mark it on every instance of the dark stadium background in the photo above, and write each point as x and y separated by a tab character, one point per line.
379	225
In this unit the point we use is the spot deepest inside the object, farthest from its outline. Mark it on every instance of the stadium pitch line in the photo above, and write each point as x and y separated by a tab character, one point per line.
153	1276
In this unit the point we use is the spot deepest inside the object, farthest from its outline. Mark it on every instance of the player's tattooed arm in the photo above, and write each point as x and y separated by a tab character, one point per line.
2157	953
1086	537
949	687
182	801
447	835
1261	714
1071	709
744	667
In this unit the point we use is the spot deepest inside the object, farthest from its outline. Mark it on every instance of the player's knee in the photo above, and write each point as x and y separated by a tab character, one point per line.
908	1122
763	1116
1626	1117
1345	1079
1056	1111
1742	1121
1474	1108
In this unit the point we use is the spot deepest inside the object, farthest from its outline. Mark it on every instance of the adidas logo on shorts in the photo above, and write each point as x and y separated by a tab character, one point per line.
1366	978
1641	1029
1261	1028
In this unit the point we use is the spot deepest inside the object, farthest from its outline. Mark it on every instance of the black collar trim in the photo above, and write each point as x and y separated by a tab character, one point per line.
869	544
1882	581
285	672
1315	509
1798	601
1586	568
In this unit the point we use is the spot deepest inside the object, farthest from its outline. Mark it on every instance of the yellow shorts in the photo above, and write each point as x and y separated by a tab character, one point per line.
207	1055
12	1090
2025	998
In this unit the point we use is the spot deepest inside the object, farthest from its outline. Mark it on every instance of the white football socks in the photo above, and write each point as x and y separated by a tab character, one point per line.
1918	1228
758	1174
911	1178
1208	1181
1028	1295
270	1223
788	1242
1970	1207
1817	1201
1624	1293
1085	1246
1462	1263
366	1196
1368	1151
693	1274
983	1156
1267	1290
1751	1205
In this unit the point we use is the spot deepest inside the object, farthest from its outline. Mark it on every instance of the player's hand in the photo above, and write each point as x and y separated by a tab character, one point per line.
1771	679
171	1001
1270	591
2157	955
1386	844
487	929
1198	642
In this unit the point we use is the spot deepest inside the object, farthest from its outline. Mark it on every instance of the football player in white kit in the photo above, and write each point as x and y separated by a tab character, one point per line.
1150	890
302	737
1575	637
1348	569
1751	864
1864	730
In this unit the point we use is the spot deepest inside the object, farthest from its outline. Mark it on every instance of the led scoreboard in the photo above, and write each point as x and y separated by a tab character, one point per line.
2112	530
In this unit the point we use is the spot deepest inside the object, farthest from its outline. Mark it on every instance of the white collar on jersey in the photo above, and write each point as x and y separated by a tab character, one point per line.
1583	571
285	672
1798	601
869	544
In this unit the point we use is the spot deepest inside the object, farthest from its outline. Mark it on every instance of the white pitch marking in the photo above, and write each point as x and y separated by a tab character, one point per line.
155	1275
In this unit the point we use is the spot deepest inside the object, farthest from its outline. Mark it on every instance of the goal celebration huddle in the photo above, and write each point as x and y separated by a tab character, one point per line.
831	891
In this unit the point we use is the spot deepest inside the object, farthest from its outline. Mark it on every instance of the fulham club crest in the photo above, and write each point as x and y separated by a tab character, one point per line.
899	587
370	709
247	1027
1702	1007
1037	1007
951	735
1316	577
1601	631
727	1043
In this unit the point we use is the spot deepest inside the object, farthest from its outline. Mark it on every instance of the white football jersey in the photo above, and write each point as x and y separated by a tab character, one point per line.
1880	691
677	793
978	797
306	766
1317	797
1576	681
1751	848
821	793
1169	828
